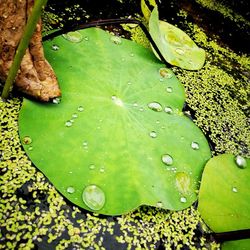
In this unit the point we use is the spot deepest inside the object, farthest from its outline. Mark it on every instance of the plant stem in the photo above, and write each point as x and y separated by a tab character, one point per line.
23	45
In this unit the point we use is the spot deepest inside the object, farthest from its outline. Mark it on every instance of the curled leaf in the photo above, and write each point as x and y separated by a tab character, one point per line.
176	46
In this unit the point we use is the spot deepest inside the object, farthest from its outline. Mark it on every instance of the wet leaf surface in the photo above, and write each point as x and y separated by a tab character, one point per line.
176	46
117	139
224	194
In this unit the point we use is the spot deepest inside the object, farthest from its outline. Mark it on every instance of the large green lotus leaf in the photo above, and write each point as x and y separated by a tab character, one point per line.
118	138
224	198
175	45
236	245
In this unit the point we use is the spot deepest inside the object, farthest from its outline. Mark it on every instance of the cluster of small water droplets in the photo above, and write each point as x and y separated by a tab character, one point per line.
167	159
73	36
74	116
94	197
241	161
155	106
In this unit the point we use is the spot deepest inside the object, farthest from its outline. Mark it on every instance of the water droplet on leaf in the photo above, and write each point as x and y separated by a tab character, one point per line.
180	51
73	36
241	161
70	190
183	200
80	108
56	100
166	73
27	140
74	115
167	159
153	134
92	167
68	123
159	204
195	145
93	197
116	40
169	89
234	189
55	47
168	110
155	106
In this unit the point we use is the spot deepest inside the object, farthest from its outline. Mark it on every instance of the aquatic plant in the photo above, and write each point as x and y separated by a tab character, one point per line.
119	127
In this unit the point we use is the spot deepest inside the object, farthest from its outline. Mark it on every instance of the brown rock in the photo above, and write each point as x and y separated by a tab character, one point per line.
35	77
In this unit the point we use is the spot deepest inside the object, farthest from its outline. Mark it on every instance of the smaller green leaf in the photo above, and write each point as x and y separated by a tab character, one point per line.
224	198
236	244
175	45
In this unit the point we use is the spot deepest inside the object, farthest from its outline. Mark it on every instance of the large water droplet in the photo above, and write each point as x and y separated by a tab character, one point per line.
195	145
55	47
234	189
70	190
153	134
183	182
166	73
168	110
117	100
183	200
80	108
93	197
167	159
68	123
169	89
27	140
155	106
116	40
73	36
241	161
180	51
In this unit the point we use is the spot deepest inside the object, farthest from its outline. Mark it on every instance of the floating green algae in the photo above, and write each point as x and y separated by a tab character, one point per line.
66	232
